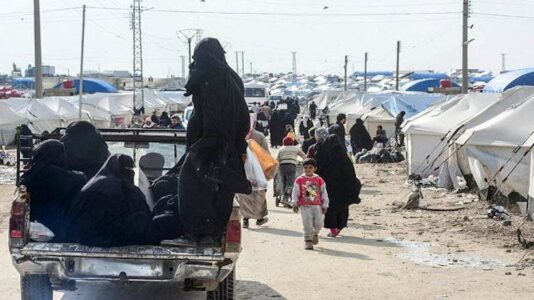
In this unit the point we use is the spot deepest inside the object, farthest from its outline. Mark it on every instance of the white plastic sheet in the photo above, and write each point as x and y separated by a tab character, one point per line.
254	171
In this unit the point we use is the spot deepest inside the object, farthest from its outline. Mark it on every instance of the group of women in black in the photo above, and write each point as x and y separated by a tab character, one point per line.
85	195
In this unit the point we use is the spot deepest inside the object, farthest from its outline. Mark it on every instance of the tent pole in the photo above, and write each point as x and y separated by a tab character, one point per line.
80	101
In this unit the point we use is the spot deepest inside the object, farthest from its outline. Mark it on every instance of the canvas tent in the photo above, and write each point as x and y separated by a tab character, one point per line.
489	145
426	136
457	164
509	80
9	121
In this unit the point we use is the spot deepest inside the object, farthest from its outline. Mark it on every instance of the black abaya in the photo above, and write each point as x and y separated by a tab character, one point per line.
213	170
52	187
277	127
304	128
336	168
85	148
359	137
111	211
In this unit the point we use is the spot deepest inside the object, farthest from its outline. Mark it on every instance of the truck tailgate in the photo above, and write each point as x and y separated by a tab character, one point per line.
129	252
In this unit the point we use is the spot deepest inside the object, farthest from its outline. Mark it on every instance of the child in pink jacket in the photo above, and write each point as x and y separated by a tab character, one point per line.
310	197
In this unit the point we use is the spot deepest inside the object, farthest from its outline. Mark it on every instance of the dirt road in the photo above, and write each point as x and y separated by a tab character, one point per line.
383	255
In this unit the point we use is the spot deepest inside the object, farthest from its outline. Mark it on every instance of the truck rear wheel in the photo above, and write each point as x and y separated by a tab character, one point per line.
225	290
35	287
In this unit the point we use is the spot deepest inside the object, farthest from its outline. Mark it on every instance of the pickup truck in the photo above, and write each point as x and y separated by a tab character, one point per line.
45	267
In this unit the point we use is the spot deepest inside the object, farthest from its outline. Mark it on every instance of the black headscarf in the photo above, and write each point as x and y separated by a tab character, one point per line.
52	186
336	168
111	210
85	148
220	122
359	136
164	119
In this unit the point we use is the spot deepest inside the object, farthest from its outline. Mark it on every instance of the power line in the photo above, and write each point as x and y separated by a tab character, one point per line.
289	14
503	15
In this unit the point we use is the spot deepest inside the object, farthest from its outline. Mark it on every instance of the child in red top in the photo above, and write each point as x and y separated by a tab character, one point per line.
310	196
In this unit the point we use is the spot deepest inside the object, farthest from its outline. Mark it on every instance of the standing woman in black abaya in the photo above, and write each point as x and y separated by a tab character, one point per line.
213	171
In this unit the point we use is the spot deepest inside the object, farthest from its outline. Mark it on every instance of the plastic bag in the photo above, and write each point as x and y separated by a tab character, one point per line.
40	233
254	171
268	164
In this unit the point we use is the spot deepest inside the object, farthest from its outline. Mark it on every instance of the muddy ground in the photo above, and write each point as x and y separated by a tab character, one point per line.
384	254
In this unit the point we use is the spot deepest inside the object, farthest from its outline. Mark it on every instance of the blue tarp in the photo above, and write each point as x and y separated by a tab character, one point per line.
422	85
510	79
374	73
483	78
427	75
24	83
91	85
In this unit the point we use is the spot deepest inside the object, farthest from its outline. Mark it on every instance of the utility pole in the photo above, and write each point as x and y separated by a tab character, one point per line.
183	65
237	62
138	99
37	45
465	45
346	62
294	66
243	63
80	90
189	35
503	62
398	65
365	73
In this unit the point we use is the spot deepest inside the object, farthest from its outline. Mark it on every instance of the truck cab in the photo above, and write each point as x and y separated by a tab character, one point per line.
256	92
45	267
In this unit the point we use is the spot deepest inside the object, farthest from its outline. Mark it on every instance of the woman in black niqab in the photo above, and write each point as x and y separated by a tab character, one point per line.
52	187
213	170
360	137
111	211
85	148
337	170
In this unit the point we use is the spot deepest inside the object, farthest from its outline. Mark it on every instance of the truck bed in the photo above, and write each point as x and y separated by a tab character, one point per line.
129	252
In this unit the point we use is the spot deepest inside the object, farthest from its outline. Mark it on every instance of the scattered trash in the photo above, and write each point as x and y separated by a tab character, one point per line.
498	212
507	223
508	273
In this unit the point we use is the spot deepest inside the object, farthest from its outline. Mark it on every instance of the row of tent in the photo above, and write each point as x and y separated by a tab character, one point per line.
485	135
102	109
380	108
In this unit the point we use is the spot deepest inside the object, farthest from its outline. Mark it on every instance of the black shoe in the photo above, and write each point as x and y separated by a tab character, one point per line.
261	221
179	242
245	223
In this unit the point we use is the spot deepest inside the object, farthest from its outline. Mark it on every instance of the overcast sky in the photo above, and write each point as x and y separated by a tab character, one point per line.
321	37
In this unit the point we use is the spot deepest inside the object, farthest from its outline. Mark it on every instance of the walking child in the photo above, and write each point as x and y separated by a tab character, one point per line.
311	198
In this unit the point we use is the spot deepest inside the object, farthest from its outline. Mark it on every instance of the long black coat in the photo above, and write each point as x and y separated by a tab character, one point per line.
359	136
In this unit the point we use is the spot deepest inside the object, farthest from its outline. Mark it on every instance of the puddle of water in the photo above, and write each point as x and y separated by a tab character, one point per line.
7	175
420	253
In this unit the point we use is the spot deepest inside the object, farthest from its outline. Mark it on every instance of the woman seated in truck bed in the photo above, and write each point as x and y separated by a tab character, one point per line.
85	148
52	187
111	211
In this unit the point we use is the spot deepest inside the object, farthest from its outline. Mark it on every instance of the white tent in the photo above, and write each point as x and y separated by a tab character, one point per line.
379	116
40	117
67	112
426	136
530	206
175	100
9	121
490	145
457	164
117	108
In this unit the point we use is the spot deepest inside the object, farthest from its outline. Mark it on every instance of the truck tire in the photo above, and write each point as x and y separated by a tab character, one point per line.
35	287
225	290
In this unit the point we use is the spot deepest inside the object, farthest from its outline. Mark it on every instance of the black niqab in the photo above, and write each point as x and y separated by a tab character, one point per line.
110	210
360	137
85	148
52	187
